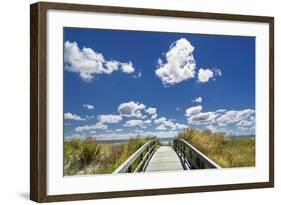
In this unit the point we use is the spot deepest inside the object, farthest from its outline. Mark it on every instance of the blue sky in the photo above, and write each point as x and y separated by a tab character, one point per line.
121	83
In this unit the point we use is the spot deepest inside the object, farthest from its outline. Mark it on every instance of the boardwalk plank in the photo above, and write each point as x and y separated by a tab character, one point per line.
164	159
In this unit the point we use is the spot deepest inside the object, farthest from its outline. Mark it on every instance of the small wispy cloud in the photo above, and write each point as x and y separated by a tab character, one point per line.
97	126
70	116
198	100
89	117
88	106
138	75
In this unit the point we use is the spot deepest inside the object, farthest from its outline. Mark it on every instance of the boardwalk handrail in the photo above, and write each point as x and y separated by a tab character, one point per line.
192	157
144	153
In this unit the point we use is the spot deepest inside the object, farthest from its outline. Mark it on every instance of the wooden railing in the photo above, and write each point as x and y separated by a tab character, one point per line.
191	157
143	154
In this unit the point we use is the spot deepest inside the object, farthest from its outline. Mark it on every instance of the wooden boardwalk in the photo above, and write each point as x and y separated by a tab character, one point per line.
164	158
179	156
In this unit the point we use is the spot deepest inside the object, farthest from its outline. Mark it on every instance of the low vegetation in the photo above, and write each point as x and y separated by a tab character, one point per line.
86	156
227	152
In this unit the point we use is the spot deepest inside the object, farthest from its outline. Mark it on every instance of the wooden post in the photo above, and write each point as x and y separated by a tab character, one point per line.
129	169
190	156
183	151
181	148
141	157
198	162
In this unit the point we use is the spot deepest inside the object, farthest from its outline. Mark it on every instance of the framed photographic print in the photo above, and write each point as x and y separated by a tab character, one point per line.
134	102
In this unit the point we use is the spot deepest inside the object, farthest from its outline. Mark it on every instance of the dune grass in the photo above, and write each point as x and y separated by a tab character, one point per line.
86	157
232	152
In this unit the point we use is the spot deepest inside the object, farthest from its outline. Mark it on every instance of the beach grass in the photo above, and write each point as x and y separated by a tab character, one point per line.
87	157
237	151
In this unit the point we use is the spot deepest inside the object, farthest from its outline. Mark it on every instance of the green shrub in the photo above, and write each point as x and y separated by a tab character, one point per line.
89	153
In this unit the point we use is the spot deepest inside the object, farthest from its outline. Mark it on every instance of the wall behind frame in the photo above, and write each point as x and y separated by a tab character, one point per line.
14	104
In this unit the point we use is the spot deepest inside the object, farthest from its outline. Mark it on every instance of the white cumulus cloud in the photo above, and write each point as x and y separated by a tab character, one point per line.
127	67
180	126
97	126
88	62
164	124
70	116
221	111
154	116
202	118
109	119
234	116
131	109
246	123
221	118
151	110
193	110
160	120
204	75
179	63
134	123
147	121
161	127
